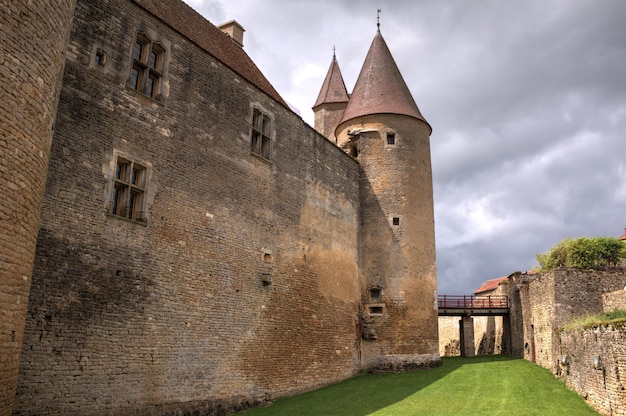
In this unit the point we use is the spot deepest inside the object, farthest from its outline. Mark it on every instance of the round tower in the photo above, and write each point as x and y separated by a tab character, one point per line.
383	128
34	39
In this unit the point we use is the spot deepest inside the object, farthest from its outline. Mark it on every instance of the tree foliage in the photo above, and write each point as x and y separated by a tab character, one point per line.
583	253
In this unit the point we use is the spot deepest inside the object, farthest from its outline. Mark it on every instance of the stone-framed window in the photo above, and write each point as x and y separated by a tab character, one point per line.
261	134
128	192
376	309
391	139
148	66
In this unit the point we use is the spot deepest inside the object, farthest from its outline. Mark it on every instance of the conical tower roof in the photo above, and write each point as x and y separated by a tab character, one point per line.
380	88
334	89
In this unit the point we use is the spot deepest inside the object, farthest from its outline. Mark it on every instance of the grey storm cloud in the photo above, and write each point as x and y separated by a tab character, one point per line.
527	100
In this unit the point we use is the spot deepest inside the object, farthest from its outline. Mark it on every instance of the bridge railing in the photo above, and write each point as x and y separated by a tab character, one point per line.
472	302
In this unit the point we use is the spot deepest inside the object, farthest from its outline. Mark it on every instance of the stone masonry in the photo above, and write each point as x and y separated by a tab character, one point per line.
197	248
33	39
590	360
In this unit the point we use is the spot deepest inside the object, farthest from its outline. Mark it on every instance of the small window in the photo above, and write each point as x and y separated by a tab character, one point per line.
391	138
375	293
395	220
260	141
146	74
129	189
376	310
101	57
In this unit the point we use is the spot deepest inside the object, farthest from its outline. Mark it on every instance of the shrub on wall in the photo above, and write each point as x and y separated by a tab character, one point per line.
583	253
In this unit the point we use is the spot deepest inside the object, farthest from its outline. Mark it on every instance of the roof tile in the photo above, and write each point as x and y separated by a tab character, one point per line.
333	89
380	88
207	36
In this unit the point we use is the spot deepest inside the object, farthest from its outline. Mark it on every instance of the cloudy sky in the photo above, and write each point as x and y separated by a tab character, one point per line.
527	99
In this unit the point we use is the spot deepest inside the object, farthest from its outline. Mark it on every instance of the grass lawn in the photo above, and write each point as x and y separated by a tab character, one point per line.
486	385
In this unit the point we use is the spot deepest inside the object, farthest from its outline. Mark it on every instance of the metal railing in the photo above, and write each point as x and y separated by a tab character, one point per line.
472	302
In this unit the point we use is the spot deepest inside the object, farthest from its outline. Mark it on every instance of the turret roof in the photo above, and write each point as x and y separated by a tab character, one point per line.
380	88
333	89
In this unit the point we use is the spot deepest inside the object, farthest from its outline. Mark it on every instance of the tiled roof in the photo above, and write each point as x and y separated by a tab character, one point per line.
334	89
203	33
623	237
490	285
380	88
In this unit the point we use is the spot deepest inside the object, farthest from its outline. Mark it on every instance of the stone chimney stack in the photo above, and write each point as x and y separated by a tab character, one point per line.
233	29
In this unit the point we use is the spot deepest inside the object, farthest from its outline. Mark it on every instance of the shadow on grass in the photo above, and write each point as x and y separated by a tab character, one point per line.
366	394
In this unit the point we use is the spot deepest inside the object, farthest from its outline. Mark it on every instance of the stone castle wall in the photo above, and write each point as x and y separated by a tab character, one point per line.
614	300
546	302
599	382
488	335
554	298
33	37
242	283
449	336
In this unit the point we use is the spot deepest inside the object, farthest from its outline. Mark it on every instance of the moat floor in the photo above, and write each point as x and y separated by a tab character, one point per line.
486	385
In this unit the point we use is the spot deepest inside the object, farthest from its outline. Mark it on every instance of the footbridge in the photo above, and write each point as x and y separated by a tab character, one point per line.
470	305
467	307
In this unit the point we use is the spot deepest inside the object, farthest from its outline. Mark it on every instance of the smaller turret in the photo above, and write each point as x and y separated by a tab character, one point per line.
331	102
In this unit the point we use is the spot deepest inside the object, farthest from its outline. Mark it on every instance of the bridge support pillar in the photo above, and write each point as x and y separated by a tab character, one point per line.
506	335
466	330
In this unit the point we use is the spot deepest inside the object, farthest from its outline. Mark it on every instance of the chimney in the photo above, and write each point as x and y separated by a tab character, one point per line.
234	30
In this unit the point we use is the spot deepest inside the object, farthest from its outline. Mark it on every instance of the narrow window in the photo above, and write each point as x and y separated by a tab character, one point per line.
139	47
100	57
147	68
150	85
395	220
128	196
134	77
391	138
260	140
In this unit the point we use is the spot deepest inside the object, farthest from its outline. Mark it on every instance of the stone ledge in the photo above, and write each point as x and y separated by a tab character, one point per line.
406	362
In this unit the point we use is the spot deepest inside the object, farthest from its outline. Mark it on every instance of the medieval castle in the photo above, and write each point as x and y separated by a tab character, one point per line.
176	240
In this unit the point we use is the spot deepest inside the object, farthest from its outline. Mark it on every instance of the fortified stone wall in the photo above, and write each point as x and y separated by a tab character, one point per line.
488	331
488	335
547	302
614	300
595	365
238	284
539	323
554	298
33	39
518	293
449	338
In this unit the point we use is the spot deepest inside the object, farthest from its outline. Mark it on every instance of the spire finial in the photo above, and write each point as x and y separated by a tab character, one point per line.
334	56
378	19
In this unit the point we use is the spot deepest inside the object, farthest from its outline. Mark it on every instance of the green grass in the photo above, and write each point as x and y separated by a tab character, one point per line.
487	385
614	317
